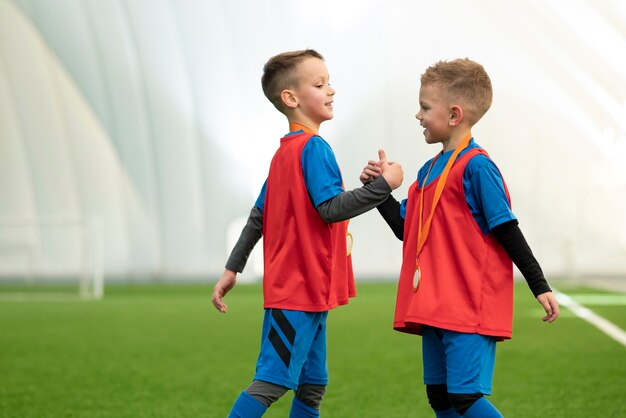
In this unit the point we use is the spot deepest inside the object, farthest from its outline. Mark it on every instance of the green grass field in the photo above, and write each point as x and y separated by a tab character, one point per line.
163	351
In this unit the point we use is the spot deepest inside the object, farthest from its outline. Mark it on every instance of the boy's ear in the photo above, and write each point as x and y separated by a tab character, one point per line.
289	98
456	115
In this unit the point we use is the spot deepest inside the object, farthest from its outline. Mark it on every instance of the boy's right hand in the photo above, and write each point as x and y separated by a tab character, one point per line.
223	286
391	170
371	171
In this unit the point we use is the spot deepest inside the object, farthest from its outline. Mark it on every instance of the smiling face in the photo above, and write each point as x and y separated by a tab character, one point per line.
313	94
434	114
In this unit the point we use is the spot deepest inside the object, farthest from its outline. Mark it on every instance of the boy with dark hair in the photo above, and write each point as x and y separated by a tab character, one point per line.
302	214
460	235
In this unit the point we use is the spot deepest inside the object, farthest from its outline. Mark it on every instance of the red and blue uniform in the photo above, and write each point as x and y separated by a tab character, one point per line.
464	300
466	276
307	270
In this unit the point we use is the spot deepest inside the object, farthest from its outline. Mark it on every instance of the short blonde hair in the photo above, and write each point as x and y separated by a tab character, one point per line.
465	81
279	73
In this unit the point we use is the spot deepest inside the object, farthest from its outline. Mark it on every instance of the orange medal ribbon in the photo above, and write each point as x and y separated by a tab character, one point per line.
424	227
295	126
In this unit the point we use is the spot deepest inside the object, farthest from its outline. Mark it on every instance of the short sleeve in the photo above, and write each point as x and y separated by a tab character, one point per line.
403	208
321	171
260	201
485	193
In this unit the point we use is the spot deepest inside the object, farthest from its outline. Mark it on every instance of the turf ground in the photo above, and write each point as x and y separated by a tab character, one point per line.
163	351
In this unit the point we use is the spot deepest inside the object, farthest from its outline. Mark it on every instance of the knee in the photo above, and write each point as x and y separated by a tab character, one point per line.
438	397
311	395
462	402
265	392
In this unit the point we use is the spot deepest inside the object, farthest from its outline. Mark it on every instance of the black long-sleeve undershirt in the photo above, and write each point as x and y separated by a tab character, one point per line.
352	203
515	245
390	211
250	235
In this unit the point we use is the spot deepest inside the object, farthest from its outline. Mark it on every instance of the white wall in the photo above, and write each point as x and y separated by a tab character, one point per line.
150	115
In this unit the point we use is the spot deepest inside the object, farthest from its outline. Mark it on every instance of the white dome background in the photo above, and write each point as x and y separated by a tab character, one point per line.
149	116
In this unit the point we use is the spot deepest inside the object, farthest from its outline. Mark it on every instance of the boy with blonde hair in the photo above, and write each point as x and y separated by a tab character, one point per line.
302	214
460	236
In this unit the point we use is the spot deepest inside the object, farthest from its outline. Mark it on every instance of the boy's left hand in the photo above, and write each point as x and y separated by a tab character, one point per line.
550	305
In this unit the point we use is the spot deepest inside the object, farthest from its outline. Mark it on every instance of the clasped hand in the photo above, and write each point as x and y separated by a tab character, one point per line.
390	170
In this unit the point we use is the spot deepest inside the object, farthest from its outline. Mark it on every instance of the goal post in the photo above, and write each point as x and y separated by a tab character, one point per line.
51	256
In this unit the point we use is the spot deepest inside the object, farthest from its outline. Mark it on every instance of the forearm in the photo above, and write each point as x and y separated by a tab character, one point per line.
514	243
390	211
355	202
250	235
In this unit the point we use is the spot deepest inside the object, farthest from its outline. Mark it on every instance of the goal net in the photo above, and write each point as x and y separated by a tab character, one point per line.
48	257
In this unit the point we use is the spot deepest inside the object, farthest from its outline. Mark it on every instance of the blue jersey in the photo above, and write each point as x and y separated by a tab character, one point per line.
483	185
321	172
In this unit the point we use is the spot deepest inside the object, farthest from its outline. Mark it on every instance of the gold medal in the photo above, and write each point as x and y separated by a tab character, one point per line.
416	278
349	242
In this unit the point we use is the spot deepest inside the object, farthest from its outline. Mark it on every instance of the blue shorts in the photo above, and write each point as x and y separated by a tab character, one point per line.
293	348
464	362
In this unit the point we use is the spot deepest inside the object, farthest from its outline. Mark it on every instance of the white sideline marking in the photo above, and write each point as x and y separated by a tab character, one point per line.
600	299
594	319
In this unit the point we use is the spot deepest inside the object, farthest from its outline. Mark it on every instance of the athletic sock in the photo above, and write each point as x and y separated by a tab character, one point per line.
302	410
482	408
246	406
448	413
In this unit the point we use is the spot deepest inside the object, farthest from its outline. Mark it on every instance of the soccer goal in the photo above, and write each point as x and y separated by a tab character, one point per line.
51	257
